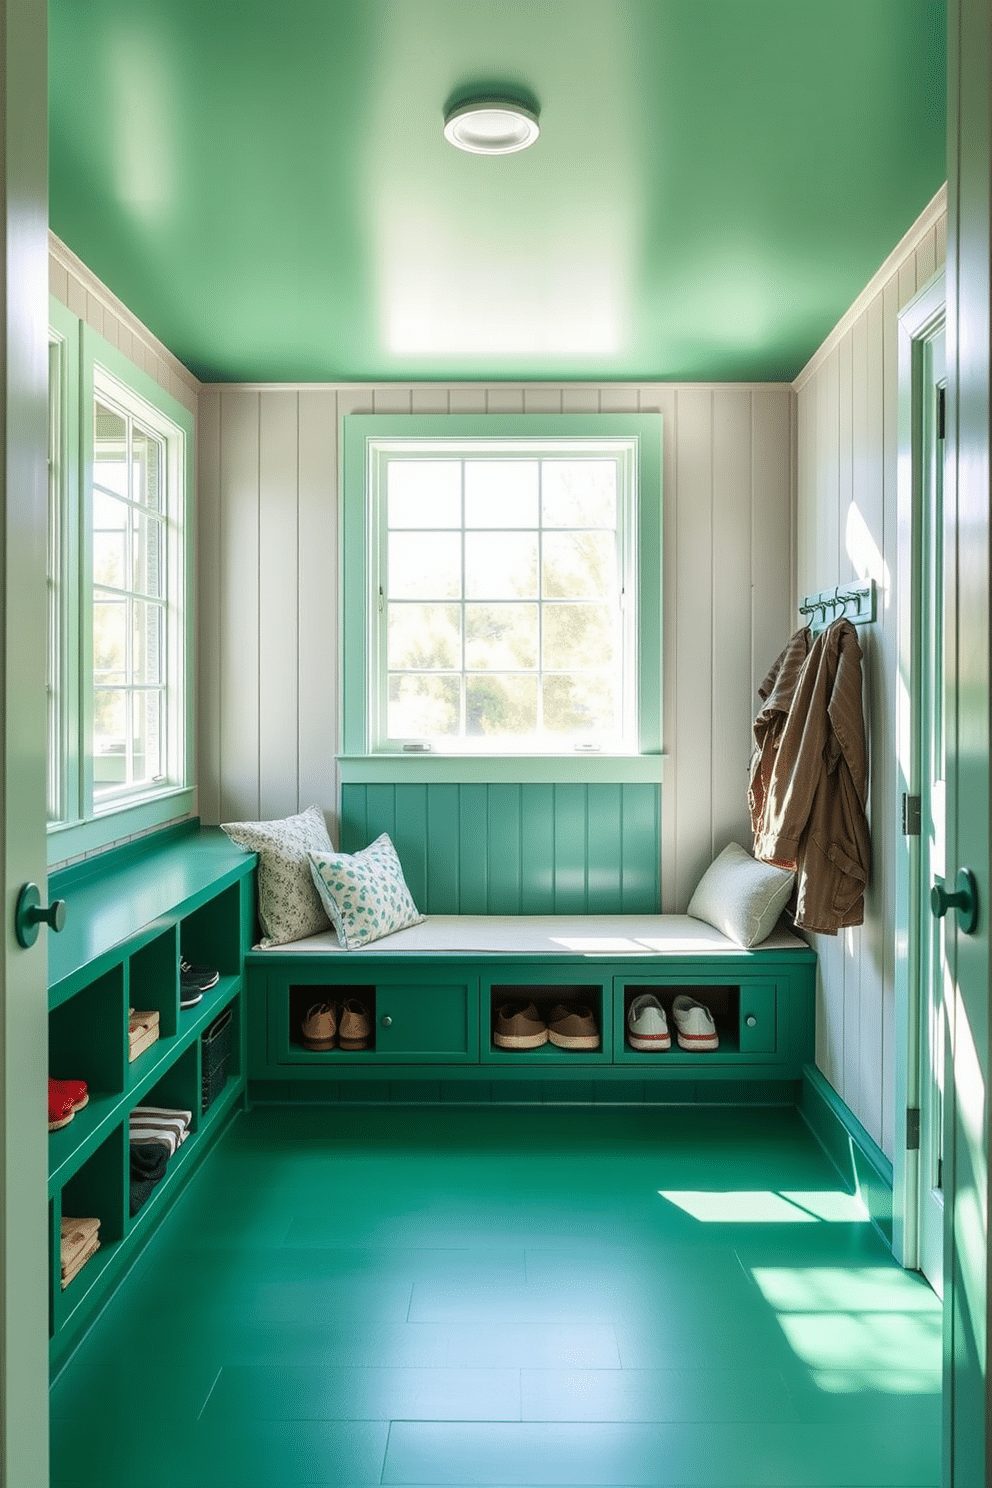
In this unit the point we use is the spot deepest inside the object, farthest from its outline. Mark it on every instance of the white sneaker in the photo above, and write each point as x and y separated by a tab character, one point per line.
695	1025
647	1026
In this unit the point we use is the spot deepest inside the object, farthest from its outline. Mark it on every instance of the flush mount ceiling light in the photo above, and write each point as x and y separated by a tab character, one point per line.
491	126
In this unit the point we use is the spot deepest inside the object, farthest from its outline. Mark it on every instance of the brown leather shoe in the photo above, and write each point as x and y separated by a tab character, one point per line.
319	1026
572	1026
355	1027
518	1026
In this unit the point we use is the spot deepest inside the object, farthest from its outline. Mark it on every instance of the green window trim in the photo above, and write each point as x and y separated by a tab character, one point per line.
86	826
357	540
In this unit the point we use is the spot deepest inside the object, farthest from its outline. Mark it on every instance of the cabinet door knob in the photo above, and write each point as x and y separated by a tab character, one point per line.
751	1021
387	1021
30	913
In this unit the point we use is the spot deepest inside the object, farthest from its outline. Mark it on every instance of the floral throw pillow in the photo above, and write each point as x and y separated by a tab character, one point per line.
364	893
289	906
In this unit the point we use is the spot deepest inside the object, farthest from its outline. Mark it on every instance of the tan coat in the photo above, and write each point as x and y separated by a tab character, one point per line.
813	813
776	692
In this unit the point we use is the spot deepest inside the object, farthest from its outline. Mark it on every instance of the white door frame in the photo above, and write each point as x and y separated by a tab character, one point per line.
918	321
25	1238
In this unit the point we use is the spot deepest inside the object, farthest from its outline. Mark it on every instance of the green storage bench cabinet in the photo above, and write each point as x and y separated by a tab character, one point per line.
432	992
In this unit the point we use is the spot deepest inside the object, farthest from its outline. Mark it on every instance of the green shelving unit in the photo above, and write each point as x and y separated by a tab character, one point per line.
131	913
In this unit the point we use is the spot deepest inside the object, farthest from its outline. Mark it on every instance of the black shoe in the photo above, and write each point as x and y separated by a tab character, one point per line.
194	981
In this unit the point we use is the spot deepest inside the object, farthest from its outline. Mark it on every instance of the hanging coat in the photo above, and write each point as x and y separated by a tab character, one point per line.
776	693
814	818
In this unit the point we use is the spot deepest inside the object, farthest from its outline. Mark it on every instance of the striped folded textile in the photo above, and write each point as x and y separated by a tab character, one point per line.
160	1124
76	1239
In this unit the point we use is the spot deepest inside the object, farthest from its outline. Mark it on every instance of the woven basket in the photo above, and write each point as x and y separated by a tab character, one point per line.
215	1055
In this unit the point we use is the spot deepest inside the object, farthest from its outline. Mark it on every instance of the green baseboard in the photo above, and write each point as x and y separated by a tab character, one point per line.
861	1163
441	1091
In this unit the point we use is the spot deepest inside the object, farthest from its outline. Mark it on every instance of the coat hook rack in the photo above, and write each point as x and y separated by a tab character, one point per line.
854	602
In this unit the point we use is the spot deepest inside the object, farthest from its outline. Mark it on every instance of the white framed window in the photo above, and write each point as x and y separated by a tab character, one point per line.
505	595
135	544
119	639
501	589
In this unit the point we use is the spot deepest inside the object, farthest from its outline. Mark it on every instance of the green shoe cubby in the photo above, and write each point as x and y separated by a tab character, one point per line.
545	996
131	912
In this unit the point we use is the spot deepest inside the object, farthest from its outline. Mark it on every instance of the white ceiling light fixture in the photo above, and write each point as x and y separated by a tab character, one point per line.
491	126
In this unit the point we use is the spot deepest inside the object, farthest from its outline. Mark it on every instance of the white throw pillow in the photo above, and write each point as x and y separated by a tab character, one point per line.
289	906
741	897
364	893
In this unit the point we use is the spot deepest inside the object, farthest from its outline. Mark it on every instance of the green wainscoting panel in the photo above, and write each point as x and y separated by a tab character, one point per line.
516	848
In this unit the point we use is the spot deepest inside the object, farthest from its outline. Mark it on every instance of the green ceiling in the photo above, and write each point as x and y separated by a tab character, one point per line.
268	188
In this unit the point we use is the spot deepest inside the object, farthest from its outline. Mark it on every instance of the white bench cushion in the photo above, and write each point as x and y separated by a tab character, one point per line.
549	935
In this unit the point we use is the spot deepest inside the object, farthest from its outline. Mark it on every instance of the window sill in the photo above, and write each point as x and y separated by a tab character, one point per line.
515	769
76	838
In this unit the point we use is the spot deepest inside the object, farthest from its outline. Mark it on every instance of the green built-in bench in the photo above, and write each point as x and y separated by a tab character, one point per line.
433	990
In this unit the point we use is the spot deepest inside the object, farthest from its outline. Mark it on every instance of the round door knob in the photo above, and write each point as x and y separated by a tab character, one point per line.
751	1021
964	900
387	1021
30	913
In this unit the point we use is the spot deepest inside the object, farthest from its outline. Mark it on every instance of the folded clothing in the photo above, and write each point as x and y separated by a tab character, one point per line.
160	1124
80	1241
77	1236
149	1161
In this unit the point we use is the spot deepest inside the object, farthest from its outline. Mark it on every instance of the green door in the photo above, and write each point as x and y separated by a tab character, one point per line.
967	1458
24	1235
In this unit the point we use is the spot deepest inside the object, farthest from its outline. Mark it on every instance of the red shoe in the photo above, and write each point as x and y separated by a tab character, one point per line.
65	1098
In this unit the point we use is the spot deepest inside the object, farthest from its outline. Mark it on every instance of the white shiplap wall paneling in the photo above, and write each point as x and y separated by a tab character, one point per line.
268	663
238	579
692	729
278	618
316	602
847	407
732	567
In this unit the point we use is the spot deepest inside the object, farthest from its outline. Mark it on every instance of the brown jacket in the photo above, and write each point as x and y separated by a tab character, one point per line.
813	816
776	692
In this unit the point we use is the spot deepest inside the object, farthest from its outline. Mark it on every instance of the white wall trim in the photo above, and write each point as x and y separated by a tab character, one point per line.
931	214
67	260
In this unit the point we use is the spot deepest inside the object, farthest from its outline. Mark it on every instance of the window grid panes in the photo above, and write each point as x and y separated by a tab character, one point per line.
501	600
130	599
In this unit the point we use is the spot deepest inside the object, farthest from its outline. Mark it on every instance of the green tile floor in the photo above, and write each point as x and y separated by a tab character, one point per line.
509	1296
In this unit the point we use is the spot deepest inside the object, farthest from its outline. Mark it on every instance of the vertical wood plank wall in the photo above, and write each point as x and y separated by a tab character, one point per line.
847	412
268	514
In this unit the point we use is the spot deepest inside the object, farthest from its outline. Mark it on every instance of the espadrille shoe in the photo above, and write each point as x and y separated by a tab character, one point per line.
355	1028
518	1026
320	1026
647	1026
695	1028
572	1026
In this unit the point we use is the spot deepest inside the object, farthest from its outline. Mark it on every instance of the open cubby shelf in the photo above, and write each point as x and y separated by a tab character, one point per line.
131	914
434	1017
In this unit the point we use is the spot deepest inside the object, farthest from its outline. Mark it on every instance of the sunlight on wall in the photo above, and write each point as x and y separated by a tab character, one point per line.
864	553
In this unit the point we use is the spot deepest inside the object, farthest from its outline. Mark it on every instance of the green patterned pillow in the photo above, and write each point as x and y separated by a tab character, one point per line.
364	893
